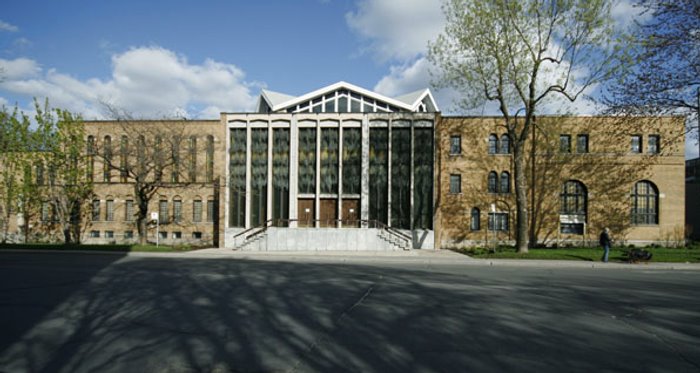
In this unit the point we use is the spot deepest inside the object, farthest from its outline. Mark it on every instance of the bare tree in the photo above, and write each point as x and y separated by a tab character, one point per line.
666	57
148	154
518	54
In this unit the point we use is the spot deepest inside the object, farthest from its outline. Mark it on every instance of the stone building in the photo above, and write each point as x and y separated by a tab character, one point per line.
344	168
584	174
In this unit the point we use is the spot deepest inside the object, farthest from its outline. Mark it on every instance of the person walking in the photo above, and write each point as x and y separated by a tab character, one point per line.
605	243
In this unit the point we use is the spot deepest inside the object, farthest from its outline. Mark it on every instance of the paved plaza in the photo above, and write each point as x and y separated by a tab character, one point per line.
215	311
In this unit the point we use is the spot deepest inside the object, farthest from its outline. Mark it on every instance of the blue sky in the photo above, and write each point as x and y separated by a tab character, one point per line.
159	58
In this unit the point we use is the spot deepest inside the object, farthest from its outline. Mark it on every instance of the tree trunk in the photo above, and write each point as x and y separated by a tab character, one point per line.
66	234
143	232
521	228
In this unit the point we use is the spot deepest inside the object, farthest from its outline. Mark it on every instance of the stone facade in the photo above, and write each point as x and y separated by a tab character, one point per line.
598	161
196	186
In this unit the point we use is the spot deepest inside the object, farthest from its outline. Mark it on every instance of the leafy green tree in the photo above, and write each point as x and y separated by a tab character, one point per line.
61	147
518	54
14	137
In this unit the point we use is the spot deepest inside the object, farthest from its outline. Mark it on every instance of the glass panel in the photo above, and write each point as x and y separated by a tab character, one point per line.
378	174
197	211
565	144
307	160
163	212
423	178
342	104
505	144
493	144
237	185
354	106
352	160
329	160
280	176
258	177
177	211
476	219
400	177
582	144
330	106
455	145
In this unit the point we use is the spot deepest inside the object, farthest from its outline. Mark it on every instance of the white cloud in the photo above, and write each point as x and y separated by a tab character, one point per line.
19	68
4	26
625	13
147	82
3	102
397	30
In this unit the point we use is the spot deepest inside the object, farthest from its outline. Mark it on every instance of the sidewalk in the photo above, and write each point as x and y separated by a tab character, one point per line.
425	257
420	257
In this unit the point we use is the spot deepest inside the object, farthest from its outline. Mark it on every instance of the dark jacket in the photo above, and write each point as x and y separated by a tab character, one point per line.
604	239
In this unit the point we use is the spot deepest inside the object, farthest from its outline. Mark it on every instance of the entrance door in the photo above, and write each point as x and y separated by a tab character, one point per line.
351	213
329	212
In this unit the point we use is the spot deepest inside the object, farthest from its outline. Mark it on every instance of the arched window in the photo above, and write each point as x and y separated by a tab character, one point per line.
505	182
141	155
91	157
40	173
158	155
107	159
476	219
504	147
573	198
493	182
645	203
123	159
175	171
493	144
192	169
210	159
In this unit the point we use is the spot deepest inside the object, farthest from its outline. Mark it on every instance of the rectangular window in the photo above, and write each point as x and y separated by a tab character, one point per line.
95	210
163	212
307	161
177	235
163	235
582	144
565	143
45	211
653	144
197	235
110	210
129	234
129	210
498	221
197	211
636	144
109	234
210	211
94	234
237	177
177	211
572	228
455	145
455	184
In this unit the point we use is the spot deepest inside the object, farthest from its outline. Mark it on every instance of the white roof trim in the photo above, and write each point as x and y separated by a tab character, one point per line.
422	96
337	86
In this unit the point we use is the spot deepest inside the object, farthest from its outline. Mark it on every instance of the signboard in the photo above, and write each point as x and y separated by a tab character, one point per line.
154	216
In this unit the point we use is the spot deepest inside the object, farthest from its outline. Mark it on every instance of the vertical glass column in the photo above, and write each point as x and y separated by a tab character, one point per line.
258	177
280	176
378	174
400	178
423	178
329	160
352	160
307	160
237	171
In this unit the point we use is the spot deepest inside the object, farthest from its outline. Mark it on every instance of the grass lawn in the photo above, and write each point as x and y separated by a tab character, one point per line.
617	254
118	248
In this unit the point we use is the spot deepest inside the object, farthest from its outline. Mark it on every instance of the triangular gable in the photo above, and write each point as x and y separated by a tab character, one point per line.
349	96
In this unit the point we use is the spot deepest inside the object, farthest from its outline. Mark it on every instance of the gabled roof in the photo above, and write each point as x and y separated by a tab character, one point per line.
409	102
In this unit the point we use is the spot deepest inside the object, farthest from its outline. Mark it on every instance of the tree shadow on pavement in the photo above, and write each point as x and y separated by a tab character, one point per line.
192	315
